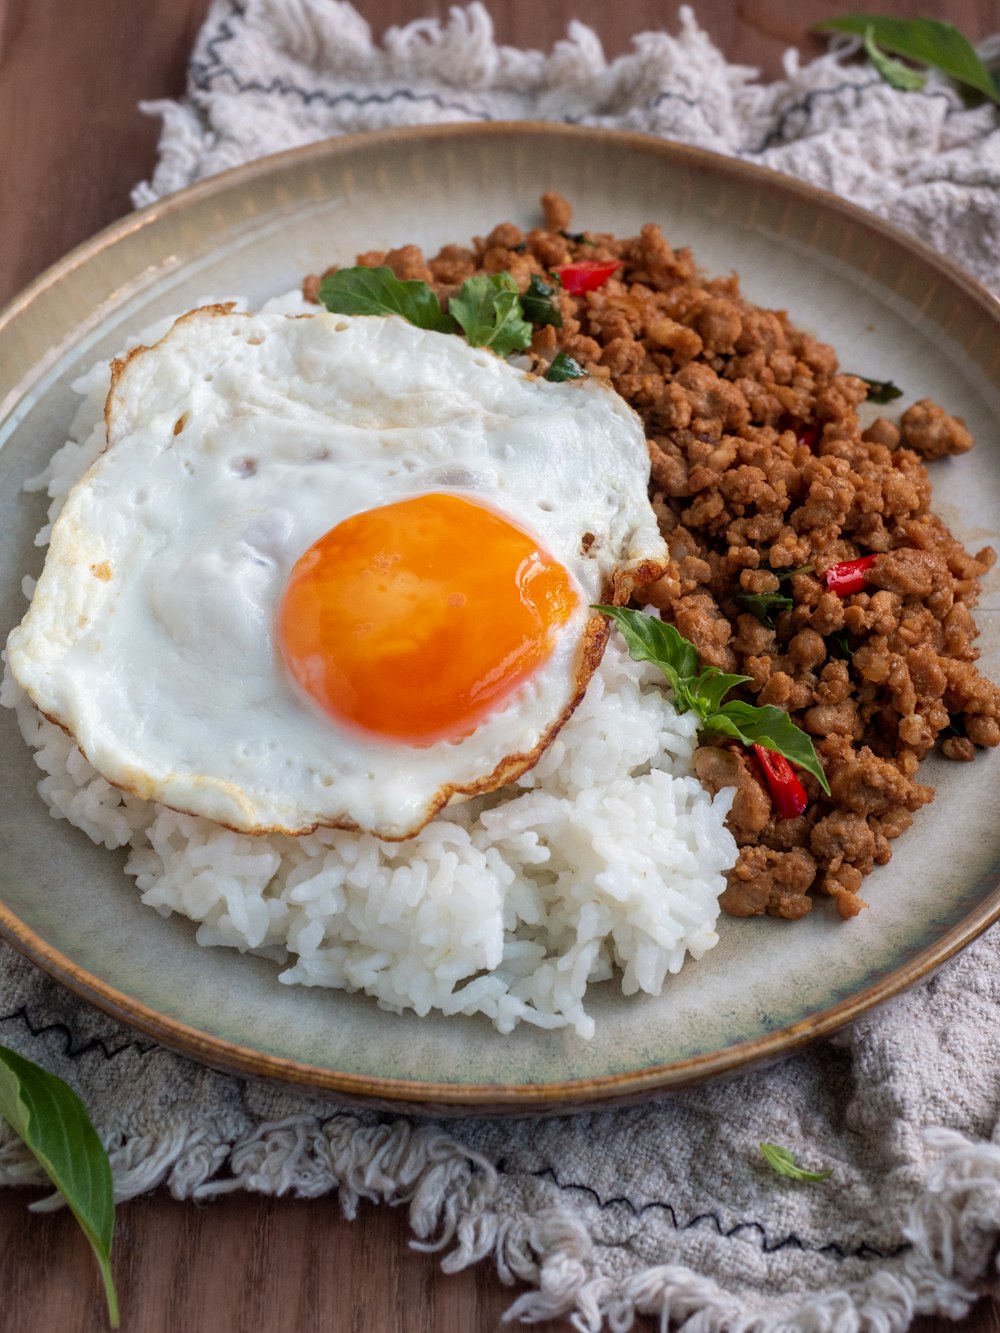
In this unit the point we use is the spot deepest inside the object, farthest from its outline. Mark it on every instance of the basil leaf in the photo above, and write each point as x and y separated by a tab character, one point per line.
710	687
771	727
53	1123
575	237
895	73
881	391
765	605
538	305
650	639
783	574
839	645
488	307
781	1160
928	41
377	291
564	367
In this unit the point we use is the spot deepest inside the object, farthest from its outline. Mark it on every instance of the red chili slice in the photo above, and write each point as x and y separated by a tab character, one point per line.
849	575
787	792
586	275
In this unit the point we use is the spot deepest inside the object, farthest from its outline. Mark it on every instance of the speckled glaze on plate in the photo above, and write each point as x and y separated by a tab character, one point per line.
890	307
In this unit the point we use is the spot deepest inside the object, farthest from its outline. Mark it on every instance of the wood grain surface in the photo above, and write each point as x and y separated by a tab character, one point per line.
72	144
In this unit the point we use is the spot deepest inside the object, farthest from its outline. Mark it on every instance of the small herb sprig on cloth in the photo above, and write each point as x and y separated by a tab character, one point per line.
930	42
896	74
703	690
53	1124
781	1161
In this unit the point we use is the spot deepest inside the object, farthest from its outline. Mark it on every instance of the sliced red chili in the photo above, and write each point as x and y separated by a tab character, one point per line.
787	792
586	275
849	575
807	435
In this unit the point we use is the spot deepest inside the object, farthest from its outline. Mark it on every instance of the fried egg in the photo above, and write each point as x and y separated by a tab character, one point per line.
333	571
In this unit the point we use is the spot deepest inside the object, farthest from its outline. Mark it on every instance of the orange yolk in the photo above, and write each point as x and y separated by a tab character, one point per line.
415	620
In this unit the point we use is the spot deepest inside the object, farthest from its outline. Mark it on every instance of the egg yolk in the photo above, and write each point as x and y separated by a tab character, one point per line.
415	620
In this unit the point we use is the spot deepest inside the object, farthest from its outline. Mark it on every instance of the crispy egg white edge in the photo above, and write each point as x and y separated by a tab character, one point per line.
40	646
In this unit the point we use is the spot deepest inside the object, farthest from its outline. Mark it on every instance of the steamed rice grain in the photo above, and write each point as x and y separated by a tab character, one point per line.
607	858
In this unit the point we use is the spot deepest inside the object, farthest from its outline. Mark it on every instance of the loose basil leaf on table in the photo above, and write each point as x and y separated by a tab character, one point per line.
783	1163
930	42
53	1124
895	73
488	307
703	689
377	291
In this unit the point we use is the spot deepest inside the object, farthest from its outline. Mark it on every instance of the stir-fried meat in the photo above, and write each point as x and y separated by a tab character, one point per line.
763	479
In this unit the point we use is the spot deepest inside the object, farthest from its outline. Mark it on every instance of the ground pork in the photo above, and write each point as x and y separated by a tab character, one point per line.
762	480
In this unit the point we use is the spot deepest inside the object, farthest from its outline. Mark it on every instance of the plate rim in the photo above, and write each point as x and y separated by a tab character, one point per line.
485	1098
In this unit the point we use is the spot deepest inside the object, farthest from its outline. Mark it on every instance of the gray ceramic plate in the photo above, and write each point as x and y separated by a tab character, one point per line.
891	308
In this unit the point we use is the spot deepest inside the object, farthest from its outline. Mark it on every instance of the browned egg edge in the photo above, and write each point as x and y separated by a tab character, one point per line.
616	591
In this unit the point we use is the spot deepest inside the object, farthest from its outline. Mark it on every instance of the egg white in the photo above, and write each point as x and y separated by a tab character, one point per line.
236	442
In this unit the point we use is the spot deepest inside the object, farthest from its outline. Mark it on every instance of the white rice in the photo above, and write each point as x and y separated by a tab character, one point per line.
606	859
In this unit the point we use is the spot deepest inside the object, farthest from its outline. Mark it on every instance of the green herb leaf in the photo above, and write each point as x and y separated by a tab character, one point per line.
781	1160
576	237
880	391
650	639
785	574
765	605
563	367
538	305
839	645
489	310
928	41
377	291
771	727
894	72
710	687
702	689
53	1123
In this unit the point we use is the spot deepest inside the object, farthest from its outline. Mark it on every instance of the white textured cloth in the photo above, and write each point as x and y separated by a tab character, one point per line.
667	1207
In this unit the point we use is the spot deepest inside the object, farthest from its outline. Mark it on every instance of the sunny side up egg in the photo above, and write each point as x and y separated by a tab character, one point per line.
333	571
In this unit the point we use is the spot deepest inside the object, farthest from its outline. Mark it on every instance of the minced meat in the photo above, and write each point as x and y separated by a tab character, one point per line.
762	479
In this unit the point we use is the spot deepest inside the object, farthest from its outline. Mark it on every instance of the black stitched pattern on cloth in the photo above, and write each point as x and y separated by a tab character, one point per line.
201	72
805	104
667	96
204	73
73	1047
791	1241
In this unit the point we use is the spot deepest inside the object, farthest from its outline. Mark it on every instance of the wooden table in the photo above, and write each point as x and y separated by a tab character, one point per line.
72	143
